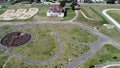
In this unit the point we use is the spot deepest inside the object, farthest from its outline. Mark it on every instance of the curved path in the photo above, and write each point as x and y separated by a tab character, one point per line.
108	64
42	61
104	12
85	15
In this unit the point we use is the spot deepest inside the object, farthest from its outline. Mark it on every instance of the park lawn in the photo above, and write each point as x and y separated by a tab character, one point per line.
114	67
44	44
115	14
95	11
69	53
113	33
98	21
42	47
16	62
107	53
70	14
5	30
79	35
90	13
2	58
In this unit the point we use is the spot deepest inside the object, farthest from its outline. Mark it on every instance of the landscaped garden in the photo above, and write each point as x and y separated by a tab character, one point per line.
44	44
107	53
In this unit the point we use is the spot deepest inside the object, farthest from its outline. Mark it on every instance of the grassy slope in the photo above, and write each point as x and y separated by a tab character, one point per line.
115	14
106	53
96	11
2	59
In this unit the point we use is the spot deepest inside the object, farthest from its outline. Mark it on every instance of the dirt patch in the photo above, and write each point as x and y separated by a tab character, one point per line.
15	39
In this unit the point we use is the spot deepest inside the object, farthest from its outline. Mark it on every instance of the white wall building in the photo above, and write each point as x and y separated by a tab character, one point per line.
56	11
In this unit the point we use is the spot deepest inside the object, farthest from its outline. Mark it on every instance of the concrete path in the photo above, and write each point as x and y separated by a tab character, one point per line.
108	64
85	15
104	12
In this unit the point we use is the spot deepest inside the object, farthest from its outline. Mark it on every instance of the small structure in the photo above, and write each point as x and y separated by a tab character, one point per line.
15	39
109	26
56	10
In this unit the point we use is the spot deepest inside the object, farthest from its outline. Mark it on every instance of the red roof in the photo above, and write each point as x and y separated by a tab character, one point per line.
56	8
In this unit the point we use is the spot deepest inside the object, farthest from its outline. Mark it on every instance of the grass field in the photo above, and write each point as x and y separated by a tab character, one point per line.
42	47
2	58
44	44
115	14
96	13
16	62
105	54
113	33
69	53
79	35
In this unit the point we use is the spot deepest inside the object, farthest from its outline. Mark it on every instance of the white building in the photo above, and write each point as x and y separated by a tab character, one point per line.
56	11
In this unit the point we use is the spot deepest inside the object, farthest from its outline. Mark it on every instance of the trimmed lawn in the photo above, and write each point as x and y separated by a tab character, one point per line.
42	47
114	67
69	16
105	54
79	35
115	14
70	51
2	58
95	11
16	62
44	44
113	33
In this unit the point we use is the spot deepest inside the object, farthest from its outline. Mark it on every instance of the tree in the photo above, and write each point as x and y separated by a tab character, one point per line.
62	3
73	4
110	1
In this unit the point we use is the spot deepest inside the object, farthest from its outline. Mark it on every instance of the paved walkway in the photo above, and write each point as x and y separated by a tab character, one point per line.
104	12
108	64
85	15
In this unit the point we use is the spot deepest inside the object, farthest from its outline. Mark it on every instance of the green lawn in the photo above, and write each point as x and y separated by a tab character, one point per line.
69	16
95	11
70	51
114	67
115	14
105	54
16	62
113	33
2	58
42	47
79	35
44	44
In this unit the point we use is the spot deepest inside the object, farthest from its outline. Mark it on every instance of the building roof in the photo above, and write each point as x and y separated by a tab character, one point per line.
56	8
